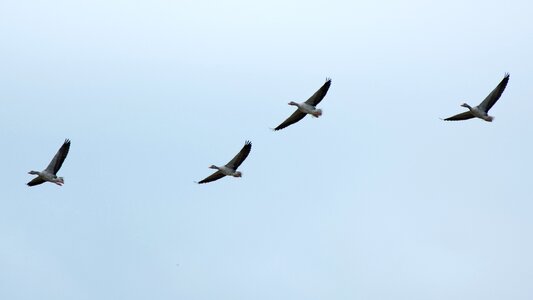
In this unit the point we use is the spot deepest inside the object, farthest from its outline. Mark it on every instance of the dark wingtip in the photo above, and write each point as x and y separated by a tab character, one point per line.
248	143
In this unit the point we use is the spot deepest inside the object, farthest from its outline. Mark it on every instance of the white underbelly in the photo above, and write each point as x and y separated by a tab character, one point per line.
227	171
306	108
478	113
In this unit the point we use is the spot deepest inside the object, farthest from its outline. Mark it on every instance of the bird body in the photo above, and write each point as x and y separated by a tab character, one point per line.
50	173
230	169
478	112
227	171
46	176
481	111
307	108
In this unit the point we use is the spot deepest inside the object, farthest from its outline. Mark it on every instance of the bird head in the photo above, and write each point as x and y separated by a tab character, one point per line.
293	103
237	174
465	105
33	173
213	167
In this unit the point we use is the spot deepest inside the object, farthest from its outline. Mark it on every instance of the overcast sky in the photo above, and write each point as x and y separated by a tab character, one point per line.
377	199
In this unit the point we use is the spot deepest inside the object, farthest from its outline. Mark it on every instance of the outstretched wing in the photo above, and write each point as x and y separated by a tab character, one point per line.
37	180
295	117
240	157
320	94
462	116
215	176
491	99
59	158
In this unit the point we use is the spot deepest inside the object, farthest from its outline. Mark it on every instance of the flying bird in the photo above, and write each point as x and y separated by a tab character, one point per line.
230	169
49	174
481	111
307	107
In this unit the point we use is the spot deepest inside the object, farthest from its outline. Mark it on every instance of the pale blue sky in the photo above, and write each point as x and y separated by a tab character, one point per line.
377	199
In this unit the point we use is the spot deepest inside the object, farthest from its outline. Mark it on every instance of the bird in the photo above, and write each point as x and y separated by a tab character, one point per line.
481	111
307	107
230	169
50	173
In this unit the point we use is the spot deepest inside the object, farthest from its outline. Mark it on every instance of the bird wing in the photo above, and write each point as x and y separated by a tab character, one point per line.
295	117
491	99
462	116
320	94
240	157
37	180
59	158
215	176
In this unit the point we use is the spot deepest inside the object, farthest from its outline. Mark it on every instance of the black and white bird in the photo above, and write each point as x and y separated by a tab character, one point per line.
50	173
481	111
230	169
307	107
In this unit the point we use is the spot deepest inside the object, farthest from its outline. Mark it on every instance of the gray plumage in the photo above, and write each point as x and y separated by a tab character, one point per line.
230	169
307	107
481	111
50	173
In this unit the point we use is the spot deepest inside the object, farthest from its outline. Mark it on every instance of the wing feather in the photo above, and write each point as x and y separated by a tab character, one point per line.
59	158
320	94
459	117
37	180
240	157
215	176
295	117
491	99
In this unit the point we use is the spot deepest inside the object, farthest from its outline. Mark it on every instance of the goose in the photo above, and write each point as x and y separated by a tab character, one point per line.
481	111
307	107
230	169
49	174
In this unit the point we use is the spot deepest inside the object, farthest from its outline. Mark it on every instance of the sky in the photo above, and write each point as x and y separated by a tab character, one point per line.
376	199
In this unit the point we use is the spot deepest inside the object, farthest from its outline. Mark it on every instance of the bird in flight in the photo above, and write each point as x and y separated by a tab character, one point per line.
307	107
50	173
481	111
230	169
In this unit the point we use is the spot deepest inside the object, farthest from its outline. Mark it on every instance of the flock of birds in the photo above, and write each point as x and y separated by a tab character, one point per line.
305	108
